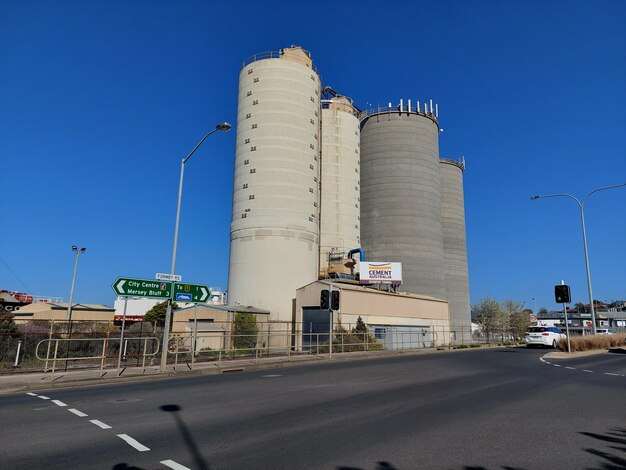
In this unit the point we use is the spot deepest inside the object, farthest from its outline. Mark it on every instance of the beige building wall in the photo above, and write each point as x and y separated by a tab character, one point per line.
48	311
275	223
377	307
340	196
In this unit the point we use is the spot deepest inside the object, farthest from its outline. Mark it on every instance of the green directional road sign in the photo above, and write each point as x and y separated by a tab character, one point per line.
130	287
196	293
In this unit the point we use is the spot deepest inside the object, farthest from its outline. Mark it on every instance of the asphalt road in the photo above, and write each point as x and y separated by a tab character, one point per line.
472	409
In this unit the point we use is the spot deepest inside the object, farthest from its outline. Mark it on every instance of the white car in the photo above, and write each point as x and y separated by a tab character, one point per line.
543	336
603	331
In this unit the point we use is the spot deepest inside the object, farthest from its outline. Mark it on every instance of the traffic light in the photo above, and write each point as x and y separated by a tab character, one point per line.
324	299
562	294
334	300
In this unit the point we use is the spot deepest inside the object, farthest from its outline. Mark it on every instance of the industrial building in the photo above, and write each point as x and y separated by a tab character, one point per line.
318	181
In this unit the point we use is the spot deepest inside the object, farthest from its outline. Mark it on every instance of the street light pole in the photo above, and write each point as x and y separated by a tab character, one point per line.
224	127
581	205
69	307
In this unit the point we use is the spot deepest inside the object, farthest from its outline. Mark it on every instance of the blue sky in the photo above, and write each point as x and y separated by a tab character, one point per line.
100	100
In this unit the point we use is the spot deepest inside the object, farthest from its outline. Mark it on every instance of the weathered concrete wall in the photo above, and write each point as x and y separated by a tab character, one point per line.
275	226
401	199
454	244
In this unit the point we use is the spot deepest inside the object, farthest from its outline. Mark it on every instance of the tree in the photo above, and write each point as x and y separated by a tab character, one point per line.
157	313
490	316
580	307
245	331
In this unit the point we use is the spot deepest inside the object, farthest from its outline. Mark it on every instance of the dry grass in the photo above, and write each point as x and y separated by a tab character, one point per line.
590	342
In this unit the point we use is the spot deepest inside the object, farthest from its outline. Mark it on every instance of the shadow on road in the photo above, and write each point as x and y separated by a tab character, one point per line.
612	460
199	463
125	466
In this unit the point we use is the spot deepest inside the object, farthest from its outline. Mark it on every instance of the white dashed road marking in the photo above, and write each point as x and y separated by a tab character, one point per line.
174	465
31	394
43	397
58	403
570	368
271	375
77	413
100	424
611	373
133	443
556	365
587	370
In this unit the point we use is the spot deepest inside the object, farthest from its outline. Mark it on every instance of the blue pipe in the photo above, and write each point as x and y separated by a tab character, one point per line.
359	251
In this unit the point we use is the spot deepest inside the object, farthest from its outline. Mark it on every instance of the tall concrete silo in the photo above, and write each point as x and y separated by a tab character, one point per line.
455	246
400	194
274	247
340	195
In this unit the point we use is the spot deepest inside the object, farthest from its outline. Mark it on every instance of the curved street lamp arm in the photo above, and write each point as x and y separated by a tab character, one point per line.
602	189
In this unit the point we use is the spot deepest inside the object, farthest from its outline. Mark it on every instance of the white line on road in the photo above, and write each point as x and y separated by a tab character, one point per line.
570	368
58	402
587	370
611	373
133	443
31	394
174	465
77	413
43	397
100	424
271	375
556	365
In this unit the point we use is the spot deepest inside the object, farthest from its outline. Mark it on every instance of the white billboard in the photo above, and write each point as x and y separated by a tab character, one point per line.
380	273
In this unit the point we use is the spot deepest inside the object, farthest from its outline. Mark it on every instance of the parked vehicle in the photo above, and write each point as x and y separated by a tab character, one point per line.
543	336
603	331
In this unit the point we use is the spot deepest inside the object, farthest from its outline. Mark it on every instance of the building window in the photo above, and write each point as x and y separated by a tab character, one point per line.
245	162
253	148
356	170
312	121
312	146
314	204
315	157
356	226
250	71
254	126
310	219
312	99
245	185
315	135
251	196
248	210
249	93
256	79
247	141
316	114
255	102
310	190
356	205
252	170
315	179
311	167
244	215
313	77
248	116
356	188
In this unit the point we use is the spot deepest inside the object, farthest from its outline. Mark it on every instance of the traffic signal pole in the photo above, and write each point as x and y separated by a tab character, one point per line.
569	349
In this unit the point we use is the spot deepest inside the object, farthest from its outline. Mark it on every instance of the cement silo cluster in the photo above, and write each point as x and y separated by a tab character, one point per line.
316	177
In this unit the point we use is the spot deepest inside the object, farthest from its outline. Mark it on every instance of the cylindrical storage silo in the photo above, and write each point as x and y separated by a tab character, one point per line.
340	194
400	195
274	245
455	247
